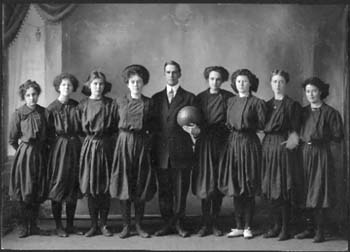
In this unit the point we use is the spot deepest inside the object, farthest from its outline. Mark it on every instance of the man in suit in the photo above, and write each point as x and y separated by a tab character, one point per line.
173	150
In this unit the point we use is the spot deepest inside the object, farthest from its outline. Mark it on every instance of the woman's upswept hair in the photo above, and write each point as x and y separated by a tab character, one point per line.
58	79
26	85
253	80
96	75
135	70
223	72
282	73
317	82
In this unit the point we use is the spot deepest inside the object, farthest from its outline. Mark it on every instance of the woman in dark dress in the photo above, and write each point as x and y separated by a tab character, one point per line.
65	145
132	177
97	120
279	154
239	167
321	124
214	134
28	171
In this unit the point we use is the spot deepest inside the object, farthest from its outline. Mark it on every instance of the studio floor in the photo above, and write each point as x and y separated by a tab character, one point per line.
170	242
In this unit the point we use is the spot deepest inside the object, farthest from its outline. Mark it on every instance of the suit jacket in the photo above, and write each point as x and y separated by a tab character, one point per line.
171	142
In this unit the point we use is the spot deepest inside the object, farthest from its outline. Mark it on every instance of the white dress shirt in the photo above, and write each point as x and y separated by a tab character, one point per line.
174	89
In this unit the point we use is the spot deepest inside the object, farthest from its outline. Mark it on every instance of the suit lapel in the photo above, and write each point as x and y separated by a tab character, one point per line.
164	102
176	100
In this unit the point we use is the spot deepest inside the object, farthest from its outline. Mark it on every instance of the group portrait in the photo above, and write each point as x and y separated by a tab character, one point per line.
175	126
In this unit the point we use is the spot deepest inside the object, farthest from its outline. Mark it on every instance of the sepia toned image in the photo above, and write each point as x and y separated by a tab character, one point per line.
175	126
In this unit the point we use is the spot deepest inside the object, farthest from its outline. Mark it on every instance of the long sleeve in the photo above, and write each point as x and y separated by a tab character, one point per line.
15	130
78	117
336	126
295	117
115	116
261	110
50	128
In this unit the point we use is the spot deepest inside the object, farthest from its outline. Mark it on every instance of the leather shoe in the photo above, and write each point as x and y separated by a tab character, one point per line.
92	231
305	234
73	230
217	231
203	231
125	233
35	230
165	230
319	237
23	232
60	232
141	232
283	236
105	231
271	233
181	231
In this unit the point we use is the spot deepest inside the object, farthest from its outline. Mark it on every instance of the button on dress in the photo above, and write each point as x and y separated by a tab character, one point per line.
279	165
98	122
210	143
63	165
132	176
28	171
318	129
240	164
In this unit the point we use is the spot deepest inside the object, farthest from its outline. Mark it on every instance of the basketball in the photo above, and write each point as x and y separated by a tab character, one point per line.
188	115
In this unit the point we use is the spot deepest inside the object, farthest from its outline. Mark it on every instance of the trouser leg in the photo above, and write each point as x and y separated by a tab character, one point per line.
24	220
93	211
276	215
285	210
139	211
249	208
309	229
57	213
165	194
181	184
239	208
126	213
104	205
216	206
319	221
205	205
70	212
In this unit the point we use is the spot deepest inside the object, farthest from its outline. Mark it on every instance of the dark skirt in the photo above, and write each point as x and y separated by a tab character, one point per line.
95	162
28	174
239	165
276	168
63	169
132	176
319	187
205	172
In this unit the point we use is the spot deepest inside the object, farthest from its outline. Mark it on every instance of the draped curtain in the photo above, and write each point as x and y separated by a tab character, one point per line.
14	14
24	53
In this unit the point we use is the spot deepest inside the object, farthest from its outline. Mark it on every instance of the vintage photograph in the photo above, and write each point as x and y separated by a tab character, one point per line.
175	126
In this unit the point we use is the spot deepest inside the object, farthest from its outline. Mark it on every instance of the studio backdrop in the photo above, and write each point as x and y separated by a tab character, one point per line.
304	40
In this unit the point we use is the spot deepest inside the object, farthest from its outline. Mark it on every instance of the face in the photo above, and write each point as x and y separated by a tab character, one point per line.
135	84
66	87
31	97
172	75
313	94
278	84
242	84
97	85
214	80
